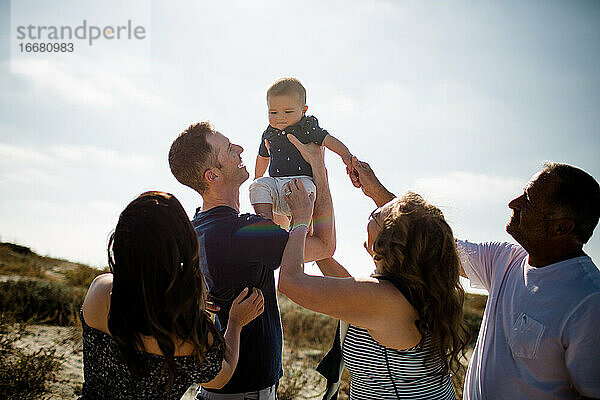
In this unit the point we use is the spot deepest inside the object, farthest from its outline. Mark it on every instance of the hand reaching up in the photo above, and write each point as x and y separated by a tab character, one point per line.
362	176
301	204
311	152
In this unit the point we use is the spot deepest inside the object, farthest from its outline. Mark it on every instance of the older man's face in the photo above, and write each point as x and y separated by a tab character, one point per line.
532	212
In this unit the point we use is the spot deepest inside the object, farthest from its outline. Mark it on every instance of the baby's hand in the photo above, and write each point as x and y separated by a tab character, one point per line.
353	174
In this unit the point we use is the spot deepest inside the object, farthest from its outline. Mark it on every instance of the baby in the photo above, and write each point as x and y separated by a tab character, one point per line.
286	99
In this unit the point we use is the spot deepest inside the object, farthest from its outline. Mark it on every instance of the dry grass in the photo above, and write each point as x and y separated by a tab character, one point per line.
21	261
25	374
303	328
473	313
307	337
82	275
40	301
299	379
41	289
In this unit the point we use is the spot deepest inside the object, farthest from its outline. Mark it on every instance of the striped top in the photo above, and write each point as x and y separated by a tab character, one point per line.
370	377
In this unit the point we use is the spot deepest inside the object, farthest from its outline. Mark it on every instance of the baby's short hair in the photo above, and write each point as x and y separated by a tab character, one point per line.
283	86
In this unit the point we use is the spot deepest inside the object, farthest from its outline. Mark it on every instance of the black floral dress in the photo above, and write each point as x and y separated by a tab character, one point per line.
107	376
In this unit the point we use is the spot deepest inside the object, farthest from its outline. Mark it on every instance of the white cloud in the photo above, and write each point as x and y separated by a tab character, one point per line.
105	208
66	155
100	156
459	186
60	165
32	176
475	205
342	104
48	77
13	154
95	88
447	107
98	210
77	230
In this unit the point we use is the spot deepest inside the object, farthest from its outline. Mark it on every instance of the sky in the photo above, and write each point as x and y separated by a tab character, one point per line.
461	102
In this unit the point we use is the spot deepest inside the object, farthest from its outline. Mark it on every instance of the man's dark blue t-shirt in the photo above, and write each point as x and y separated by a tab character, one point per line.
286	160
238	251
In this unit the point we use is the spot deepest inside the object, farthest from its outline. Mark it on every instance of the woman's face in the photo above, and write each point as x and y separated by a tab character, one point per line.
375	225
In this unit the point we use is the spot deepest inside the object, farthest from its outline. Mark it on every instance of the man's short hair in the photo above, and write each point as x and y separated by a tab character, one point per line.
576	196
191	155
286	86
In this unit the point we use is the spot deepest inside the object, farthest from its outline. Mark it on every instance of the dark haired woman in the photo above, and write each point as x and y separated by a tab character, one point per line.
405	332
146	332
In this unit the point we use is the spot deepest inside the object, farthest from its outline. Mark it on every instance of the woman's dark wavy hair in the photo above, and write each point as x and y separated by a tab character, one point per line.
158	288
416	247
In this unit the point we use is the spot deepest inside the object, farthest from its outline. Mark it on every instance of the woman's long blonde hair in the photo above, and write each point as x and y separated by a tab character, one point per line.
416	248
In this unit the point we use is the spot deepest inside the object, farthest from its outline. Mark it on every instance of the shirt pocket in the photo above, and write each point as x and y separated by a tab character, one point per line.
525	336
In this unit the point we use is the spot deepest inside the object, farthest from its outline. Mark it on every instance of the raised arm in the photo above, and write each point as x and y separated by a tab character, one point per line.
362	176
262	163
321	244
482	263
368	302
339	148
330	267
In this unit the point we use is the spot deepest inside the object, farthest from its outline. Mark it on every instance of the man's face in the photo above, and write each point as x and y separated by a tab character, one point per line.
285	110
529	223
229	156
